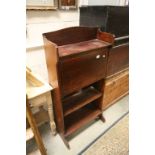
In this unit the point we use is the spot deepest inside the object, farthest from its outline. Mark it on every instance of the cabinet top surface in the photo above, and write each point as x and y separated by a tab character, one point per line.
75	48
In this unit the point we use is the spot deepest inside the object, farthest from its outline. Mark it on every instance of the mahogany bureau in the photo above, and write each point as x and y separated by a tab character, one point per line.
77	65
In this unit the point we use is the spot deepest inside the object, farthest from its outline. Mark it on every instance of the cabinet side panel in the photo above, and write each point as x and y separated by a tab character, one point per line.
51	61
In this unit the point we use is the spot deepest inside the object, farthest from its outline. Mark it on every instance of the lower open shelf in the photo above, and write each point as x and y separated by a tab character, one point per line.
81	117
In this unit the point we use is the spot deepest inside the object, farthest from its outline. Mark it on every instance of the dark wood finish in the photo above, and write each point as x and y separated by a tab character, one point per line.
121	40
102	118
100	85
58	110
118	59
67	4
115	20
104	35
76	73
80	99
81	47
80	118
77	61
111	19
65	140
71	35
52	64
35	130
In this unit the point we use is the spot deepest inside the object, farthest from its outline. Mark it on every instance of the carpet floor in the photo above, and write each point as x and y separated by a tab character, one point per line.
114	142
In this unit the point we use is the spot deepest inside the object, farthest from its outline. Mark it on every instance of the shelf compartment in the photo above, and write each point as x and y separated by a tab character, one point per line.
81	117
80	99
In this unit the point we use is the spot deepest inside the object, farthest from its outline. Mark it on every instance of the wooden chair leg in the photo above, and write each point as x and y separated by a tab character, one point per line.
35	130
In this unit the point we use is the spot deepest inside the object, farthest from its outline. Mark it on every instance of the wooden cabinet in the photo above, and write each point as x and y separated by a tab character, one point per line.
118	59
77	64
116	87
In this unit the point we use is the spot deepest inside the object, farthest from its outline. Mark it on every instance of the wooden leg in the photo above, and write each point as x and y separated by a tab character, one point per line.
65	141
102	118
50	112
35	130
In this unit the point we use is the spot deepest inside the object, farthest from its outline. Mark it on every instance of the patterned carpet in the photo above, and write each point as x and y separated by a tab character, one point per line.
114	142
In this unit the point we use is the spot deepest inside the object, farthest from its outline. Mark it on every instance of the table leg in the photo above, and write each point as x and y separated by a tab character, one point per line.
35	130
50	112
